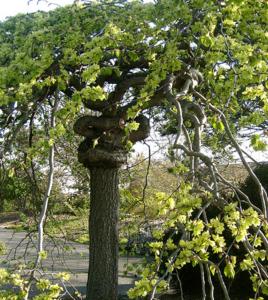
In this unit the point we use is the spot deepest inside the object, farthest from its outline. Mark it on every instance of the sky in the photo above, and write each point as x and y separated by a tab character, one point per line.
12	7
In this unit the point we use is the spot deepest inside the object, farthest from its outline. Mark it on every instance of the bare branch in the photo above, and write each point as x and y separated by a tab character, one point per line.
262	192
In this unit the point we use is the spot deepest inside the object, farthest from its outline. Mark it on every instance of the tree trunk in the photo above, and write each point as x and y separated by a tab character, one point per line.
103	231
1	204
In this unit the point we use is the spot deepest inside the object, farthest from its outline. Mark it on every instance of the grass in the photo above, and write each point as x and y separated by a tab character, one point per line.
9	218
73	228
65	226
70	227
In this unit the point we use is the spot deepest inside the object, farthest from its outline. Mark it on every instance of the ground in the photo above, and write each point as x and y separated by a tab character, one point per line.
74	260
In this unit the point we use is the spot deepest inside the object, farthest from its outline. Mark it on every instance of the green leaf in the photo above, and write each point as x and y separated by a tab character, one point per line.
206	40
43	255
171	203
229	270
212	269
257	143
132	126
93	93
11	172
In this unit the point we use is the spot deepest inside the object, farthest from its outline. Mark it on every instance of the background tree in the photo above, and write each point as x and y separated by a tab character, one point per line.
200	63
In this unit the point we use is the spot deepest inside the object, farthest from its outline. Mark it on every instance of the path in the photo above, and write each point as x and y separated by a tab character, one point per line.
75	260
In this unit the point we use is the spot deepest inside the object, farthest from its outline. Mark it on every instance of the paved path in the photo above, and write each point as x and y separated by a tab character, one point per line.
74	260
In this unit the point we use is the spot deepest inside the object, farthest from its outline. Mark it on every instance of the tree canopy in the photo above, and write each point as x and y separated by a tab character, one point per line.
85	52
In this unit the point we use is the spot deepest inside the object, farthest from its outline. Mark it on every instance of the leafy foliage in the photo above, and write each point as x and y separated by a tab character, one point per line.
46	290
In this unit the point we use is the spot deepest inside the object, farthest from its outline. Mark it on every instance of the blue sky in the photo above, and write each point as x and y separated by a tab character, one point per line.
13	7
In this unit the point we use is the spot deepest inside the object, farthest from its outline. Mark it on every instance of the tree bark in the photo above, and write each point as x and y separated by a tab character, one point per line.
1	204
103	231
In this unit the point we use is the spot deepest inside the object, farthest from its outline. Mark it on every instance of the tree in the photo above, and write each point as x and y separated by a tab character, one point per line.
200	64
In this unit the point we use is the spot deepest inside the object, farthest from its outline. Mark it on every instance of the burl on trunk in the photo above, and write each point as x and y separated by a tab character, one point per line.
103	152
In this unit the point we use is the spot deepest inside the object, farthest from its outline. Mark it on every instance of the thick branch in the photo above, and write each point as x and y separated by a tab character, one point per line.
142	132
99	158
131	80
83	126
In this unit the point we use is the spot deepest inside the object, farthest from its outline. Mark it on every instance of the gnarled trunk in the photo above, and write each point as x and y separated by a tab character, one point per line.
103	151
103	231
